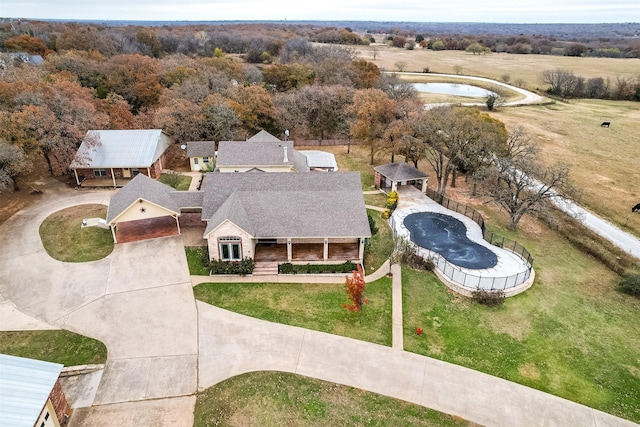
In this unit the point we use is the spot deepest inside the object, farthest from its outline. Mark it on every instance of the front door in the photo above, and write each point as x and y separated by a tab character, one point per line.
126	173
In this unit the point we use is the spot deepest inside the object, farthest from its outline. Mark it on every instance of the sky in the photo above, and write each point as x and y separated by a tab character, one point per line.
499	11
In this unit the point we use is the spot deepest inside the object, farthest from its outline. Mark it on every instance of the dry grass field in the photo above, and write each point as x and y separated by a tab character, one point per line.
526	68
604	161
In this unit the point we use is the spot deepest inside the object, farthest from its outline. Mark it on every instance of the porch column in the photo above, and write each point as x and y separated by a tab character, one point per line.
75	172
325	253
113	233
149	172
289	257
424	185
361	249
178	223
394	186
113	178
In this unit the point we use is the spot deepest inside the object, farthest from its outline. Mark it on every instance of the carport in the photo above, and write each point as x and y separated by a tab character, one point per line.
143	209
132	231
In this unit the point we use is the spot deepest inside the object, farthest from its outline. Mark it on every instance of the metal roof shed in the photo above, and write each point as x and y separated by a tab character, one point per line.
25	386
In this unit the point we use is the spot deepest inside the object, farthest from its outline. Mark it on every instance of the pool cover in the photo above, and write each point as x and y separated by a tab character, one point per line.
447	236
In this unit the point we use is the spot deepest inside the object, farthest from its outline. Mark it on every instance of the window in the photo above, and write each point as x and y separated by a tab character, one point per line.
205	160
135	172
99	172
230	248
195	160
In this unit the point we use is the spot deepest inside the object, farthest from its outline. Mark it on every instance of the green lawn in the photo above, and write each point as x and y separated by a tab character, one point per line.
312	306
382	244
379	200
176	180
284	399
58	346
64	238
575	337
194	260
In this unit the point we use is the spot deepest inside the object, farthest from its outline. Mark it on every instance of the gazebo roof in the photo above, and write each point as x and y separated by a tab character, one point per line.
400	172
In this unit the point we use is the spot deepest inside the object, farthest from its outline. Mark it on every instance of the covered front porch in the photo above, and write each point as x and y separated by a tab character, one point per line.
325	252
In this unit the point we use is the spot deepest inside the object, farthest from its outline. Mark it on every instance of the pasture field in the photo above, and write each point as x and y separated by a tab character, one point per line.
604	161
526	68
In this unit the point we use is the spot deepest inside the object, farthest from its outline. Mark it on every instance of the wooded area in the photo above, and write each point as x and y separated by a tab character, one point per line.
224	83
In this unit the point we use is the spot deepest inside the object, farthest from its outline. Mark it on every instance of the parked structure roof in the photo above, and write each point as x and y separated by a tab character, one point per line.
400	171
141	187
25	385
137	148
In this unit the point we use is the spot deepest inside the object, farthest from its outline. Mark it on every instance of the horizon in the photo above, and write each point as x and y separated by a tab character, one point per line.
282	11
289	21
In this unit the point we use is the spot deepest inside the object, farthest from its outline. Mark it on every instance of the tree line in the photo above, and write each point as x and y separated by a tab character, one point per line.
315	91
565	84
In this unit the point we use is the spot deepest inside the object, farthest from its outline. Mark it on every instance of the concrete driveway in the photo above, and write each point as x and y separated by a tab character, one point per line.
163	345
138	301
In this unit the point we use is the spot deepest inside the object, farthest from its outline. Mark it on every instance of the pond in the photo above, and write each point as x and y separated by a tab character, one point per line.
453	89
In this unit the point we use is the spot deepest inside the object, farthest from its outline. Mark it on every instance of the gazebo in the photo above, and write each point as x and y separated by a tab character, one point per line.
392	176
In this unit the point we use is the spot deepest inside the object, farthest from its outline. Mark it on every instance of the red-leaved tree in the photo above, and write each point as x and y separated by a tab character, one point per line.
354	287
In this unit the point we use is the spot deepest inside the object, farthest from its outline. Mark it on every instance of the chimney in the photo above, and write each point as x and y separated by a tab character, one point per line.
286	158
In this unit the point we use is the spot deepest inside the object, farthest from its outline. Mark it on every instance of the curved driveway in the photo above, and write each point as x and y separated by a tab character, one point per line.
164	344
141	308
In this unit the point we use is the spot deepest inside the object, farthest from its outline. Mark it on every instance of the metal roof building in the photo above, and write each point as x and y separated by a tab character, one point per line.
25	386
121	148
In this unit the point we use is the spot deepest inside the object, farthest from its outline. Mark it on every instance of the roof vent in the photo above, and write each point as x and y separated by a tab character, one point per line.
286	158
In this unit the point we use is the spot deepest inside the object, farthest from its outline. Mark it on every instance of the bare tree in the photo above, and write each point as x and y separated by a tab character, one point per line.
521	184
456	138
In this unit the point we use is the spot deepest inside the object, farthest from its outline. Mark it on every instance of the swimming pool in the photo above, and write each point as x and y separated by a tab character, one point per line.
447	236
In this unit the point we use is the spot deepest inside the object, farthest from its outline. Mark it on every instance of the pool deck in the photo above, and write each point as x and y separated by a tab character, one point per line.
413	201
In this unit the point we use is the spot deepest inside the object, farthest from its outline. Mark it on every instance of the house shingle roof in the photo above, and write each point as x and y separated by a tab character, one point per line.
283	204
121	148
141	187
400	171
257	154
201	149
263	136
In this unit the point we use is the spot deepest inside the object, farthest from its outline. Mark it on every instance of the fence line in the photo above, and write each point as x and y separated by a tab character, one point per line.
471	280
324	142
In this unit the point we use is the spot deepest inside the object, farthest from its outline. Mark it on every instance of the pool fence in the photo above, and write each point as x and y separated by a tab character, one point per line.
465	279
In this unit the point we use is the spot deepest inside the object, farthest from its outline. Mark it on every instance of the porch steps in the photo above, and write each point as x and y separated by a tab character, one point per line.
265	269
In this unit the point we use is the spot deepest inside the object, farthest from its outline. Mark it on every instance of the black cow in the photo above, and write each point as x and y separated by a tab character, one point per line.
605	124
636	208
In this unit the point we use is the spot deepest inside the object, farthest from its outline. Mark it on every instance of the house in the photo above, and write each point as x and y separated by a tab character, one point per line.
30	393
281	217
201	155
118	155
259	156
284	217
393	176
320	160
